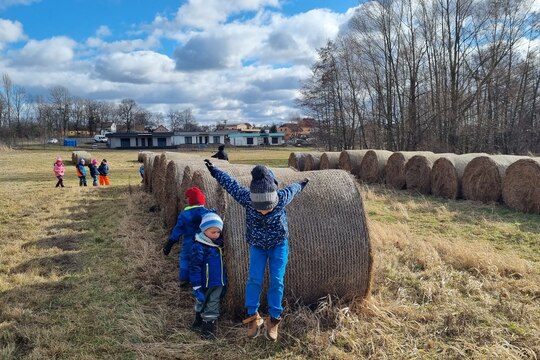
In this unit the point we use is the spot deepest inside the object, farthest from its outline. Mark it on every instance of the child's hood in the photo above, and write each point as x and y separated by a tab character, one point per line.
203	239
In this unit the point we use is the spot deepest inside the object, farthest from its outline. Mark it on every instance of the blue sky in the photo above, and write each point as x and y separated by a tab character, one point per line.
236	60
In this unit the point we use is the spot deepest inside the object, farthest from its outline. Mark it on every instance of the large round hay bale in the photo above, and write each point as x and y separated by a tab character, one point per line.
296	160
330	252
447	175
148	162
174	200
373	165
395	168
418	172
521	185
350	160
329	160
142	154
312	161
76	156
158	178
483	177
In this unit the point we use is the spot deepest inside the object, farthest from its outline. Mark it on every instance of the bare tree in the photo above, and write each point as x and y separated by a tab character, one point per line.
126	113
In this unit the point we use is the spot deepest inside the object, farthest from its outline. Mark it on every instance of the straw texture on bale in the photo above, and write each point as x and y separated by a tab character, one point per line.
323	221
174	200
372	168
350	160
521	185
483	177
296	160
312	161
395	168
76	156
141	154
329	160
418	172
158	178
447	175
148	163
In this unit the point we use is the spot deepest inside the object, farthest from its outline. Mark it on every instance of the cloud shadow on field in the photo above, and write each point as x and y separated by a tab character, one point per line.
62	264
62	242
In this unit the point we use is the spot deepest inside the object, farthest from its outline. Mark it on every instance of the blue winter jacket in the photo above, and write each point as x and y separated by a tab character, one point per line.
103	169
81	168
206	267
188	223
265	231
93	169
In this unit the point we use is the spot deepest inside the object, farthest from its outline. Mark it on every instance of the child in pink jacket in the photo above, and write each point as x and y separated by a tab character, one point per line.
59	171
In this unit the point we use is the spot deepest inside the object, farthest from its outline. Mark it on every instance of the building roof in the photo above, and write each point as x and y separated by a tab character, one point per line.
257	135
138	134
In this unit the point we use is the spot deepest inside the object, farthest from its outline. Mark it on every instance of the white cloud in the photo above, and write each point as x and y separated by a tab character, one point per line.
10	31
7	3
103	31
53	52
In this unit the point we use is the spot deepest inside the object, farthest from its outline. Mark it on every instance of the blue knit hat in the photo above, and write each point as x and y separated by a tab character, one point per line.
263	188
210	220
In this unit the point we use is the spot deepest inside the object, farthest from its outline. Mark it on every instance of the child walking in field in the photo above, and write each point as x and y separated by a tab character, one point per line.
93	171
103	171
81	172
267	235
187	225
207	274
141	171
59	171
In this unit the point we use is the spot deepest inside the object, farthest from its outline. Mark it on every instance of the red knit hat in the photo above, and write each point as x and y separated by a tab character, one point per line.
195	196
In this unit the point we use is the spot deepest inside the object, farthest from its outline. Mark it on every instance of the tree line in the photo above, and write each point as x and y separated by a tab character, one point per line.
26	117
443	75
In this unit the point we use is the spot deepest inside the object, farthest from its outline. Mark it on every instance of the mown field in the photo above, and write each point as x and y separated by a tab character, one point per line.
82	276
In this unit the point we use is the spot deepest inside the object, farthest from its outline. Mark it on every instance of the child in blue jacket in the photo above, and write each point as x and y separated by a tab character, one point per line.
187	225
207	274
81	172
93	171
267	234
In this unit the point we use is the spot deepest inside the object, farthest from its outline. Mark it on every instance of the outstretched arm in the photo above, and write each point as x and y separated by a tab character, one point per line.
237	191
288	193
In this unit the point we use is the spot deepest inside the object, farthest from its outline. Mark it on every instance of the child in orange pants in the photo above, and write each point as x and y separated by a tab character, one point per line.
103	170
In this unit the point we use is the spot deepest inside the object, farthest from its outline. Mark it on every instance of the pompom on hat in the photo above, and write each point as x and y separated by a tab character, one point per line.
263	188
210	220
195	196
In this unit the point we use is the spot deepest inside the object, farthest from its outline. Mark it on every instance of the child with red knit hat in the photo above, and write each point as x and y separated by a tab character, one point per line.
187	225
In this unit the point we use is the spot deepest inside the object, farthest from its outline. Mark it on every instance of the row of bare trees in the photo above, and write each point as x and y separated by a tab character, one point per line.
444	75
26	117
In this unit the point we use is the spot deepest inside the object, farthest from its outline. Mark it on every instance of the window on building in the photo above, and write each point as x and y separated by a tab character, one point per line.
274	140
162	142
125	142
216	140
250	141
189	140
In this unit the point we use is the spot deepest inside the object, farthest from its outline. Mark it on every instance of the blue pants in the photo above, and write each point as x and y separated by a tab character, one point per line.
185	255
82	180
276	258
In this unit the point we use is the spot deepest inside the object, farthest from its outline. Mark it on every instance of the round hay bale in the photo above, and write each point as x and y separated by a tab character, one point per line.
323	221
148	162
174	200
76	156
521	186
312	161
329	160
142	154
296	160
372	168
395	168
483	177
418	172
447	175
158	178
350	160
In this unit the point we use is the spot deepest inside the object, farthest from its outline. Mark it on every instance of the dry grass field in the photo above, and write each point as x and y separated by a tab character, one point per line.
82	276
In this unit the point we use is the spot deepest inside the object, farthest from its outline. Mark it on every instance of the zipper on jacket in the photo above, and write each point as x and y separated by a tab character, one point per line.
221	261
207	274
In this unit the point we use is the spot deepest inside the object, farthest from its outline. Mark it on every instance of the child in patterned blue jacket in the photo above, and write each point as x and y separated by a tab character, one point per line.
187	225
267	234
207	274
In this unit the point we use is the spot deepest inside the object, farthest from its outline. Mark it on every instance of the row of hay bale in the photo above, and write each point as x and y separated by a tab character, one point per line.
325	223
514	180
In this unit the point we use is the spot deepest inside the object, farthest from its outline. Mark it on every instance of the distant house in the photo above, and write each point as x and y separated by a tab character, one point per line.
238	127
246	139
136	140
301	129
290	130
161	129
107	127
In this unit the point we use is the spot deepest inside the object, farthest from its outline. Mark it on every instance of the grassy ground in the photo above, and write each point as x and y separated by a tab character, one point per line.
82	276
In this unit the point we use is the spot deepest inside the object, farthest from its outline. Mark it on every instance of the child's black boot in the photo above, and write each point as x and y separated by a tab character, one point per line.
208	329
197	323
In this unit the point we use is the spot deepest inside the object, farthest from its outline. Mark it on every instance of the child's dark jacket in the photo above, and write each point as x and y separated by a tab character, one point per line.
265	231
188	223
93	169
103	169
206	267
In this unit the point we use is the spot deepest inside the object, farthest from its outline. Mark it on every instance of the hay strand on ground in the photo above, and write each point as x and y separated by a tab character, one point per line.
350	160
373	165
329	160
483	177
521	185
447	175
395	168
418	172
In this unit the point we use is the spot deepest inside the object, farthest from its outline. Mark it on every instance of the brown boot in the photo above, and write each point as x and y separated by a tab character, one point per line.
254	323
271	328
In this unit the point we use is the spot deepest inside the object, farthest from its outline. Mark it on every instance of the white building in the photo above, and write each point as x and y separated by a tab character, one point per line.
199	138
244	139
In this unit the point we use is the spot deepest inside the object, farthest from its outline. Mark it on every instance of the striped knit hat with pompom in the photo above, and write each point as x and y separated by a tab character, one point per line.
263	188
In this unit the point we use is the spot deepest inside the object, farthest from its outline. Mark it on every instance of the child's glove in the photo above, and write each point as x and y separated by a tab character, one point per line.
199	295
167	248
209	165
304	182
